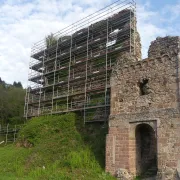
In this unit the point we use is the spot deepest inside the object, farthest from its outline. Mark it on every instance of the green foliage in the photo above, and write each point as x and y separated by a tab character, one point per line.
16	120
63	149
97	101
100	62
118	45
61	107
46	111
50	40
2	82
40	127
11	103
137	178
63	72
82	159
65	78
17	84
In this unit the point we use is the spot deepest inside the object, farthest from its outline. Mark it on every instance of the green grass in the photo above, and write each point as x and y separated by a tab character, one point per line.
137	178
63	149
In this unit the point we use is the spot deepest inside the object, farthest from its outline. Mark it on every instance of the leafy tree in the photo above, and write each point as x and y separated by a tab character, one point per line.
17	84
11	103
2	82
50	40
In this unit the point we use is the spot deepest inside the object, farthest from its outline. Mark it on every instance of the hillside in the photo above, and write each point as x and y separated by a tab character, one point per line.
56	147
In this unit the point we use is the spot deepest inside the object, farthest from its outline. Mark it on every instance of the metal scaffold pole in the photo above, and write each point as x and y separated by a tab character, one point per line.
15	132
29	91
26	104
85	100
42	80
27	96
130	32
7	131
107	37
134	35
55	68
69	74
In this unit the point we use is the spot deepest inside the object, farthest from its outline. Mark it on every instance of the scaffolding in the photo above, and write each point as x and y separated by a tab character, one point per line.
71	72
9	133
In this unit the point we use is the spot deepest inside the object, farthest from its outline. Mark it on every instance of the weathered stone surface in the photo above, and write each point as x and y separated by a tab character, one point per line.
178	169
146	93
164	46
138	46
122	174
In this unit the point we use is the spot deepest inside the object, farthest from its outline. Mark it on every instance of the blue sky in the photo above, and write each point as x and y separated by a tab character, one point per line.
24	22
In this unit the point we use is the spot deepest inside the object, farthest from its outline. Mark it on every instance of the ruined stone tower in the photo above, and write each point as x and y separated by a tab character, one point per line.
144	122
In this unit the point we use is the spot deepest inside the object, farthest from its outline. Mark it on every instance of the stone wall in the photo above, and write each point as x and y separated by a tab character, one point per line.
161	86
146	92
161	46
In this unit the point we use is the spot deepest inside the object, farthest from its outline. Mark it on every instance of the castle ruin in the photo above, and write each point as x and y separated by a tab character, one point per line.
95	67
144	122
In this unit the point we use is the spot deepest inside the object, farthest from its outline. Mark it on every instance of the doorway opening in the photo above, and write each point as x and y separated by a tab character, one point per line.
146	150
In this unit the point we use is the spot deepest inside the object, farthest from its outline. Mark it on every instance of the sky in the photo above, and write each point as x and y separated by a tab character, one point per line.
24	22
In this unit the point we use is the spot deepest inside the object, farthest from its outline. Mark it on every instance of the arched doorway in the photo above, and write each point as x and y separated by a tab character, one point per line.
146	150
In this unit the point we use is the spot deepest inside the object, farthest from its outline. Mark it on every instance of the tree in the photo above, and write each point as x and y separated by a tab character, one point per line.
17	84
50	40
2	82
11	103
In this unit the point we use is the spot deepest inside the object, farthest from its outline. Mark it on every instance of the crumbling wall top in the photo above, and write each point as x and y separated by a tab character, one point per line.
164	45
161	50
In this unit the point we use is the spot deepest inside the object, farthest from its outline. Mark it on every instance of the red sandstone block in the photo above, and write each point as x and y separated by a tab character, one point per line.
171	164
177	156
132	141
126	167
162	140
177	144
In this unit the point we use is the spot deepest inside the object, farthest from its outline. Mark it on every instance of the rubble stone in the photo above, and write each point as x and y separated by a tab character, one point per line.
122	174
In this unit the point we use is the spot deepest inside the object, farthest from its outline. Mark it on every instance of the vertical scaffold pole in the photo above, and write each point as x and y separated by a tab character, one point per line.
134	27
7	131
107	35
15	133
130	31
69	75
26	106
85	95
42	78
55	68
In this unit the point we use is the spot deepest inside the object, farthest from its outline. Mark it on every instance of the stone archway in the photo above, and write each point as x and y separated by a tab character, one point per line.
146	150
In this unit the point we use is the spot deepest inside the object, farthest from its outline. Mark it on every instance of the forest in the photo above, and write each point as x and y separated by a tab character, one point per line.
11	103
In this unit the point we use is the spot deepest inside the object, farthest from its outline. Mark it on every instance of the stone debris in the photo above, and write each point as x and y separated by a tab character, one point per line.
122	174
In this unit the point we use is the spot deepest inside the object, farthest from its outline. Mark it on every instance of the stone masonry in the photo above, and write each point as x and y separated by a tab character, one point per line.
144	122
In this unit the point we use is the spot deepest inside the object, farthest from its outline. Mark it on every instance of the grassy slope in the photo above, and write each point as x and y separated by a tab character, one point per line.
61	145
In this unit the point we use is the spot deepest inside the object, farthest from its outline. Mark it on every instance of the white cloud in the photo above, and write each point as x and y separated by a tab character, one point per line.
152	24
23	23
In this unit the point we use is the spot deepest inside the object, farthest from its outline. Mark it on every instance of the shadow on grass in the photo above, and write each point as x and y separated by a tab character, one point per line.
94	136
